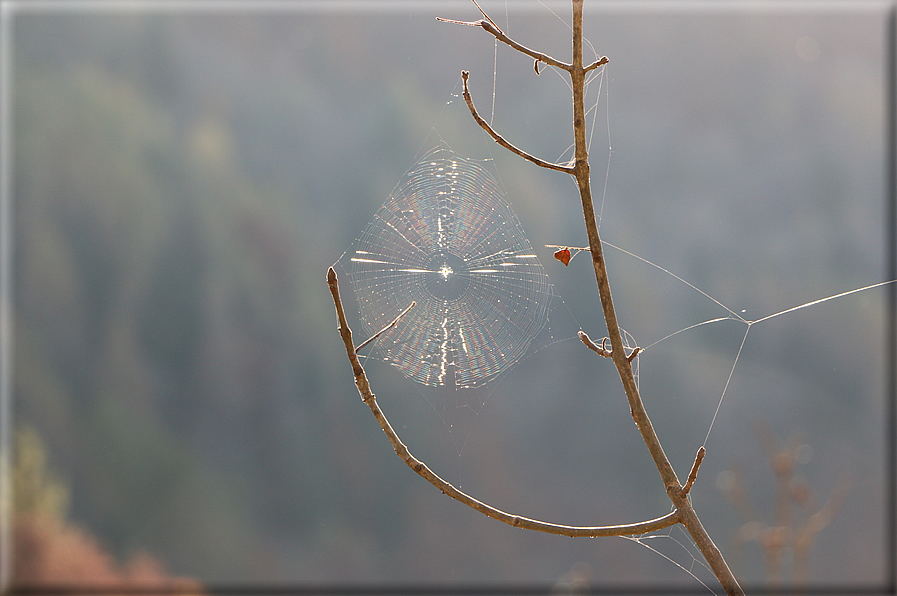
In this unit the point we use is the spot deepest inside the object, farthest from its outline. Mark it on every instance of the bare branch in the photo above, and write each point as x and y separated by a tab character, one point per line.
500	140
599	62
600	350
456	22
344	330
368	397
693	475
490	26
387	328
483	12
539	56
624	367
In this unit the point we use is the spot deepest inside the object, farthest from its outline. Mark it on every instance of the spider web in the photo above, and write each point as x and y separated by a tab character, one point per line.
379	303
447	241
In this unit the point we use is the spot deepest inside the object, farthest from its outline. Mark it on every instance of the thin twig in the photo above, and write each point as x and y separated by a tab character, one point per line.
489	26
500	140
577	248
599	62
523	49
368	397
692	476
600	350
457	22
483	12
385	329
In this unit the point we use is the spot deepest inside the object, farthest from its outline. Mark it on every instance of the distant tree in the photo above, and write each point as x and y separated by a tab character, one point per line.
52	553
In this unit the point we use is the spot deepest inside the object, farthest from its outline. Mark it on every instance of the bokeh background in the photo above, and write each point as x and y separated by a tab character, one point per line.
184	174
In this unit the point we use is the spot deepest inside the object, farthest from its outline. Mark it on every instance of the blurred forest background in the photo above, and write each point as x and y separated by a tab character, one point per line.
185	174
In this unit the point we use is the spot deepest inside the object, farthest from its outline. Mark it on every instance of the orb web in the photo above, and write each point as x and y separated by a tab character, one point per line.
447	240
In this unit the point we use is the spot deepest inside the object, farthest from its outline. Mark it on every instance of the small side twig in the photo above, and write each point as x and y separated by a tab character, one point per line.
501	141
539	56
483	12
693	475
602	350
385	329
599	62
474	23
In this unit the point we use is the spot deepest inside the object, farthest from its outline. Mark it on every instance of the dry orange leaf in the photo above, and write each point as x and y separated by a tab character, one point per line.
563	256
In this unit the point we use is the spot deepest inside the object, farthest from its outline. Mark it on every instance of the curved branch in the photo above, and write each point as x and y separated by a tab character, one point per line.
501	141
367	396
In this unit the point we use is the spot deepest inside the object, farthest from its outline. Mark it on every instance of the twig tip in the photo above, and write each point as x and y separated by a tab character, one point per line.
693	475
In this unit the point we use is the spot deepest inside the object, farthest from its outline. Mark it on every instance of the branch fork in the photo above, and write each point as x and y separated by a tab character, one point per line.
489	26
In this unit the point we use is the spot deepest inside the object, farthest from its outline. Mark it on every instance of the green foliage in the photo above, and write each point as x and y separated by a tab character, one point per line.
125	268
37	488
